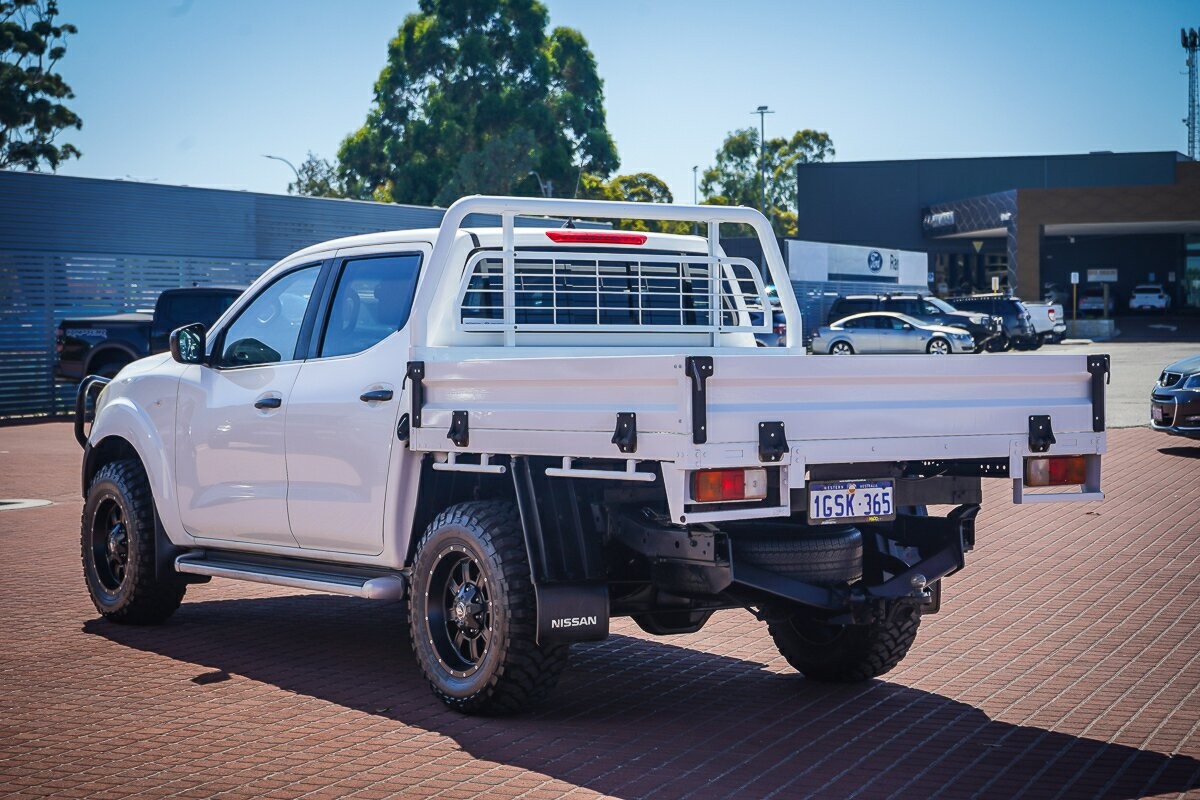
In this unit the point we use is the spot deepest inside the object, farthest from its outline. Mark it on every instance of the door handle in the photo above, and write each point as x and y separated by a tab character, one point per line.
268	402
376	395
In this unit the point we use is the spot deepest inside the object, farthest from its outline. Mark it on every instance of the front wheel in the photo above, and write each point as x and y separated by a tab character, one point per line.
938	347
117	548
843	653
473	613
841	349
1000	344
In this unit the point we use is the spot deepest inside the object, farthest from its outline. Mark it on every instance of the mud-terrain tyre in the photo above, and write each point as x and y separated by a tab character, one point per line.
843	653
831	556
117	548
473	613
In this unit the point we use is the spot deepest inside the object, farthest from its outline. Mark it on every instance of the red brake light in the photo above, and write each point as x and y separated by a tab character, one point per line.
595	237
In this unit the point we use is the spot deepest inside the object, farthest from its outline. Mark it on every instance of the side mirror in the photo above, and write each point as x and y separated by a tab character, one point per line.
188	344
907	327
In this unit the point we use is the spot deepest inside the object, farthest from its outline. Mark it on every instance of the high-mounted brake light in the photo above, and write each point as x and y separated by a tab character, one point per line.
1056	471
595	237
725	485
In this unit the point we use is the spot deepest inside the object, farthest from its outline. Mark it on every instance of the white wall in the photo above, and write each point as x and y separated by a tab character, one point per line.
817	261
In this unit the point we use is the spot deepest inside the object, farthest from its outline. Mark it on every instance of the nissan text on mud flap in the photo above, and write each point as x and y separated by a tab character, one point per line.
525	431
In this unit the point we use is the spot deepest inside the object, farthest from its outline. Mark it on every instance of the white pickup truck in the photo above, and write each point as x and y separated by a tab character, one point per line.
526	431
1048	320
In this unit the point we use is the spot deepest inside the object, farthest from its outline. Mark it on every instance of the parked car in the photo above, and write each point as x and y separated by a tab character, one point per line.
885	332
1149	297
1175	399
1091	301
1048	320
778	335
104	344
929	310
1018	330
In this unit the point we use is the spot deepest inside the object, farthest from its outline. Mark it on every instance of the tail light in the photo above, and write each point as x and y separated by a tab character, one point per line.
1051	314
725	485
1056	471
781	329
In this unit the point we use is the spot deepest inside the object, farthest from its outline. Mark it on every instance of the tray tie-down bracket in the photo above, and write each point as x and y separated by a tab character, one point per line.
1041	434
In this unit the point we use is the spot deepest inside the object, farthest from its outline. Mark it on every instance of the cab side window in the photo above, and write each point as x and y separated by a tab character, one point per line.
372	301
266	331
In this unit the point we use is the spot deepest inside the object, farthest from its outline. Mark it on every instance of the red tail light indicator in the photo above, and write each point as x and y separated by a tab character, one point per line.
725	485
595	237
1056	471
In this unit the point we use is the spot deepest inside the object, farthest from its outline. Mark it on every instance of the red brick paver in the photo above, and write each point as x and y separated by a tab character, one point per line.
1065	665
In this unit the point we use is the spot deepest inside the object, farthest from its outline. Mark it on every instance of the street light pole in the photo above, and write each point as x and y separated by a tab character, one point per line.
290	164
695	171
547	187
762	112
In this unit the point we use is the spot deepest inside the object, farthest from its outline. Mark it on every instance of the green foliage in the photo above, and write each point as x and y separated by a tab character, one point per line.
31	116
643	187
734	179
474	96
318	178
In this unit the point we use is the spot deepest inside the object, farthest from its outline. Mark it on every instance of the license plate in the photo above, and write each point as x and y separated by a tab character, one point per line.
851	501
1156	413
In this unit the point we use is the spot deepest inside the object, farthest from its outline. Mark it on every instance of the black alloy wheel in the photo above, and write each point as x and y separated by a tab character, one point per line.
459	612
110	544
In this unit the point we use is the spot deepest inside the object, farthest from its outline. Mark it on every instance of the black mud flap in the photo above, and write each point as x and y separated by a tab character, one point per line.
572	612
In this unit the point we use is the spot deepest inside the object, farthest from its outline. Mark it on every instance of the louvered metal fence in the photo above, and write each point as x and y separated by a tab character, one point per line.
77	247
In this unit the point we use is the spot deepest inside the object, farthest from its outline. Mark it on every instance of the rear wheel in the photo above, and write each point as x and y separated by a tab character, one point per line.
473	613
999	344
841	349
938	347
117	548
843	653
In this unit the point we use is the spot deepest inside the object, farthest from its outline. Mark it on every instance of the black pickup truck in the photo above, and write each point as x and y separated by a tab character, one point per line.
103	345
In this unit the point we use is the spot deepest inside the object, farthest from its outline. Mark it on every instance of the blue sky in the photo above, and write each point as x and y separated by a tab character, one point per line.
195	91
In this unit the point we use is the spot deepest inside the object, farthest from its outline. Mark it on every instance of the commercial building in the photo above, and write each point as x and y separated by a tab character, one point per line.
1028	222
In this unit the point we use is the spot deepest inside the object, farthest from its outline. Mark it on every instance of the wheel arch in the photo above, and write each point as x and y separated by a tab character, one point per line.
106	352
842	340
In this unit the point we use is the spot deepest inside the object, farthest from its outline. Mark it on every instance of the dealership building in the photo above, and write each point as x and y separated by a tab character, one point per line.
1023	222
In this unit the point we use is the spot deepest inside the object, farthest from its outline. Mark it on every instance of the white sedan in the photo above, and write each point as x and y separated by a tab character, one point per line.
1150	297
888	332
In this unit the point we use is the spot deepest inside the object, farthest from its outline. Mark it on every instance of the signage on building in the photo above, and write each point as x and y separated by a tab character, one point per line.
821	262
939	220
1102	276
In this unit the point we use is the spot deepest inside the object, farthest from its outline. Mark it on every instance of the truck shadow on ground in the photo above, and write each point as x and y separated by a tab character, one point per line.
647	718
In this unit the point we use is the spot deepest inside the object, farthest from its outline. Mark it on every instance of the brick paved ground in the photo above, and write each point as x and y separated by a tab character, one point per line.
1066	664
